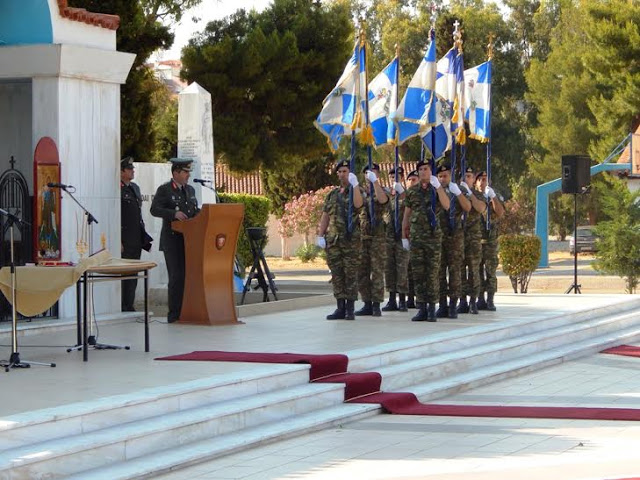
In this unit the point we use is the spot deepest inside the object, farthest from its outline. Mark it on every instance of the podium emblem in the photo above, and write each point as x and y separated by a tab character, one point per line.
221	239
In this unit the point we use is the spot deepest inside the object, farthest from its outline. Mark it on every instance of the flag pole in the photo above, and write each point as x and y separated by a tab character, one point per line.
396	222
367	124
489	58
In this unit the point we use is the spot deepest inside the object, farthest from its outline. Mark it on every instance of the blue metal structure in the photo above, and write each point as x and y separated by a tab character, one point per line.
25	22
543	191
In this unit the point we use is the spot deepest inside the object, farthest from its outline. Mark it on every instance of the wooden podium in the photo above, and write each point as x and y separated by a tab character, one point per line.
210	240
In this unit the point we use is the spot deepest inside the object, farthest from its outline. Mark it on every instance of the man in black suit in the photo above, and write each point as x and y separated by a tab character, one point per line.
175	200
132	232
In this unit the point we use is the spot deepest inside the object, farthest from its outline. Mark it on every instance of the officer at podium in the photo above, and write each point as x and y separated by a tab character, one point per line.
175	200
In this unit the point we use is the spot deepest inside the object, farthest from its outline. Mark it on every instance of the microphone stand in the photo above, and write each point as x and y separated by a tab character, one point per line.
14	360
91	339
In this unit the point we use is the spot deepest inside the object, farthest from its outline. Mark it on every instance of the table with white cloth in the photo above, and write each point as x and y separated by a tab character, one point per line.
38	288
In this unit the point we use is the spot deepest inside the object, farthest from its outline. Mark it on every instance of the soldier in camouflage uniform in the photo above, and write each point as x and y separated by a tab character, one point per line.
372	244
472	245
396	267
489	262
412	179
342	245
452	252
421	233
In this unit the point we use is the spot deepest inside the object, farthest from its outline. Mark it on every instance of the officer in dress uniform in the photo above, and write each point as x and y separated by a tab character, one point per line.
341	243
132	232
175	200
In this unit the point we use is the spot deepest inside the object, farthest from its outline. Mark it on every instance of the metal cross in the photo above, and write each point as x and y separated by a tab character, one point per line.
12	162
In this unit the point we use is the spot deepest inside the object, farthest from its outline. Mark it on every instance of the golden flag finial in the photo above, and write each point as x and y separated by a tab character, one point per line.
490	45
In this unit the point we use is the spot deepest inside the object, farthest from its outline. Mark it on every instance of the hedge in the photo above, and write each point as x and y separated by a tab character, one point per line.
519	256
256	214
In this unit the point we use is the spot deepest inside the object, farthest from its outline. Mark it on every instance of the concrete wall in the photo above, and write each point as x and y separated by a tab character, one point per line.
15	128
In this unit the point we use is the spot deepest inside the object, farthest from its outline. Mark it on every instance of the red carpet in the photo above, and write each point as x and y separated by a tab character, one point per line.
365	388
626	350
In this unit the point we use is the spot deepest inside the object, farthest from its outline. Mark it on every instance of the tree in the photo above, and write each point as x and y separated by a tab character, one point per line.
268	73
619	244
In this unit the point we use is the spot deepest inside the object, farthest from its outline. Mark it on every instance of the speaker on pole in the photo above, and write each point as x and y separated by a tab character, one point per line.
576	174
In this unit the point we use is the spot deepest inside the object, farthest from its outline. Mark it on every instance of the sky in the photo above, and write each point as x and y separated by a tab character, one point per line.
207	11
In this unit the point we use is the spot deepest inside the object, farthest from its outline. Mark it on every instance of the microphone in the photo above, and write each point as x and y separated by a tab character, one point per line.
58	185
201	181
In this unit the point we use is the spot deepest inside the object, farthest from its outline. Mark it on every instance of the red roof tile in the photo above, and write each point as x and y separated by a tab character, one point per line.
111	22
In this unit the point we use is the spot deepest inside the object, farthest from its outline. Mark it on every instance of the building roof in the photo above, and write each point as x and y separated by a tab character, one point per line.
110	22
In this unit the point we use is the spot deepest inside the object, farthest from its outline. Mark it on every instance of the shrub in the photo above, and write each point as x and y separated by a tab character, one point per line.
256	214
302	214
308	253
519	255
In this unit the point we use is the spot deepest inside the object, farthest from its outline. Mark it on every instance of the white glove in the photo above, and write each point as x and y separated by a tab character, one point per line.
371	176
435	182
405	243
489	192
353	180
466	187
455	189
321	242
397	186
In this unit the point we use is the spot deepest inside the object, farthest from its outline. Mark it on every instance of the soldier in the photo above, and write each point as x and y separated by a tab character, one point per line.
133	235
372	244
472	245
396	274
175	200
342	245
489	262
412	179
421	234
452	251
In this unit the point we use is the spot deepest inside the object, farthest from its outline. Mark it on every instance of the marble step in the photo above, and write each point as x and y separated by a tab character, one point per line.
500	371
154	464
398	376
375	357
83	417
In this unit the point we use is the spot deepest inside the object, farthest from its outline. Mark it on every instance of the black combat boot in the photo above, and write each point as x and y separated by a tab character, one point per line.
411	301
402	303
340	311
431	313
481	304
421	316
366	309
453	312
391	305
375	309
348	314
464	306
443	309
490	304
473	308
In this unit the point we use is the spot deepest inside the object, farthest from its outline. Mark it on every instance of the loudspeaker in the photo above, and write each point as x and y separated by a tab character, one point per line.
576	174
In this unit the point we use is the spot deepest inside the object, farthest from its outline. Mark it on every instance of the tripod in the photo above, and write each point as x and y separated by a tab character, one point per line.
88	292
259	269
14	360
575	286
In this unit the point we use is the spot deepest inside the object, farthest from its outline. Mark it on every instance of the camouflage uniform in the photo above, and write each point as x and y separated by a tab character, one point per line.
489	262
472	250
396	268
372	250
452	251
343	249
425	239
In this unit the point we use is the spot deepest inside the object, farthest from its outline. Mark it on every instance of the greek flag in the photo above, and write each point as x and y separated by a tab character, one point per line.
477	101
342	108
383	100
438	139
450	85
415	114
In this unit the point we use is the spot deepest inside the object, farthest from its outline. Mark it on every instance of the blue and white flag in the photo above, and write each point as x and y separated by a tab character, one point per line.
342	108
414	114
383	100
450	85
438	139
477	101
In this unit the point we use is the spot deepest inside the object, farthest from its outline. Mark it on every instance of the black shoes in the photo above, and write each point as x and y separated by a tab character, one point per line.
340	312
367	309
481	304
443	309
402	303
453	312
391	305
411	301
473	308
375	309
348	310
464	306
490	305
421	316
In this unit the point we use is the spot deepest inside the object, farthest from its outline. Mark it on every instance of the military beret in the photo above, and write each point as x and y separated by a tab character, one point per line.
480	174
412	173
400	171
126	162
421	163
468	170
444	167
342	163
181	163
374	166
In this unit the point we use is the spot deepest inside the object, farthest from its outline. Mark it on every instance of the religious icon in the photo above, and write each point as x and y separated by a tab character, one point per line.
48	214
